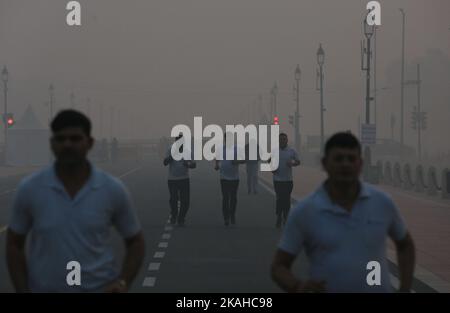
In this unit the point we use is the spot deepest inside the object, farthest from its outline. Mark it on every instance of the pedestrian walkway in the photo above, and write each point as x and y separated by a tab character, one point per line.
428	221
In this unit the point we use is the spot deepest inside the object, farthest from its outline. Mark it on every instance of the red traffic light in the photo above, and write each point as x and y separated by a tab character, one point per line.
275	120
10	120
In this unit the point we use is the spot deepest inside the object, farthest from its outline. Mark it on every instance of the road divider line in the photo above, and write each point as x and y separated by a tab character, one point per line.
159	255
424	275
7	192
149	282
154	266
264	184
163	245
130	172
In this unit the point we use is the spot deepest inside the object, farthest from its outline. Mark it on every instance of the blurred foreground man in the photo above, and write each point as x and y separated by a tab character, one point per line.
342	227
67	209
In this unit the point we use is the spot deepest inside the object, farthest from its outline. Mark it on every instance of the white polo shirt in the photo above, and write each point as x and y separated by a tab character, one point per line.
177	169
284	172
339	244
228	170
62	229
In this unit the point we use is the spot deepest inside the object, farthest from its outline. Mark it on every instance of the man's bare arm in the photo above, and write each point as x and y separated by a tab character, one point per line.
135	252
281	271
406	262
16	260
283	276
167	160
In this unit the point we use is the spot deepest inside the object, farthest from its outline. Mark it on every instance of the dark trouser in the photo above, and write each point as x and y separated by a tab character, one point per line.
229	197
252	176
179	190
283	191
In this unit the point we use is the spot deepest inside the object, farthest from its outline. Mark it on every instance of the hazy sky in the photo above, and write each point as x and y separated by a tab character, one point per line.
162	62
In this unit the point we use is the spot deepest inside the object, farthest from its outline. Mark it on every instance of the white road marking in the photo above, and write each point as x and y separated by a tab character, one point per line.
149	282
154	266
270	190
7	192
163	245
130	172
3	228
159	255
424	275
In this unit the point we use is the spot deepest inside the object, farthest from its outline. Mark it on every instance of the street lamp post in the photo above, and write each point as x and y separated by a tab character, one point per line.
375	76
88	105
111	124
274	97
368	33
297	110
5	76
418	116
260	108
402	85
320	62
101	120
392	126
51	90
72	100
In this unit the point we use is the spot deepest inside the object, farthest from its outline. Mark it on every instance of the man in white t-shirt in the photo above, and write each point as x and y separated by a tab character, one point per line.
179	185
282	179
343	227
64	213
229	179
252	167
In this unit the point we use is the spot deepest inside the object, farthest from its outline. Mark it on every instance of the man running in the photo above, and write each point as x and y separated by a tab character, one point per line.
343	227
67	210
178	182
229	178
282	179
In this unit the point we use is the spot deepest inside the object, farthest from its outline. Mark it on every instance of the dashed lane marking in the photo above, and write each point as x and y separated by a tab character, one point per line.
154	266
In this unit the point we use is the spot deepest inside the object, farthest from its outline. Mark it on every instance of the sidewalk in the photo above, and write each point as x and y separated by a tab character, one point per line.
428	221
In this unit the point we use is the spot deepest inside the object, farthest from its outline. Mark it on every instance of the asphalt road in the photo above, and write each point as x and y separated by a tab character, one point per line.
204	256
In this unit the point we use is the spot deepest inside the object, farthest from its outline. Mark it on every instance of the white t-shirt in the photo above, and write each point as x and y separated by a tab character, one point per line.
339	244
228	170
284	172
63	229
177	169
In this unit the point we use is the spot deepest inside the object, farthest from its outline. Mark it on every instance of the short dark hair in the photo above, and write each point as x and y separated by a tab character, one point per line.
71	118
282	134
342	140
